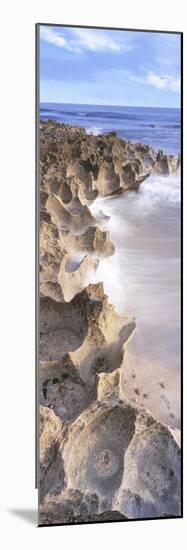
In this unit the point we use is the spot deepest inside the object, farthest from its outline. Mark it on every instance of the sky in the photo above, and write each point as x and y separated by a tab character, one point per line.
106	67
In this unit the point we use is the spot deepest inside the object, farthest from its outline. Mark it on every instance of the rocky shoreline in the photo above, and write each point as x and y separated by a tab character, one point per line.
100	455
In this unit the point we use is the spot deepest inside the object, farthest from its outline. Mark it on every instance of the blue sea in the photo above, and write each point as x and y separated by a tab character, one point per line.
158	127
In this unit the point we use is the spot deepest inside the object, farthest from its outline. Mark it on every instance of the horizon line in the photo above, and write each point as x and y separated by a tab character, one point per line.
108	105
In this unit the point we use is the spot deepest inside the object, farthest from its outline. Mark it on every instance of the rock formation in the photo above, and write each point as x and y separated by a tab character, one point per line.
120	454
92	240
166	164
77	164
101	458
75	507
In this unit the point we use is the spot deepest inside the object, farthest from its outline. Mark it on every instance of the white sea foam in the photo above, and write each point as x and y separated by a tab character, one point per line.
142	278
157	190
94	130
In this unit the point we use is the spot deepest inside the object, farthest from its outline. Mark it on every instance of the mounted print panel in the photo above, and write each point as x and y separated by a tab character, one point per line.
109	269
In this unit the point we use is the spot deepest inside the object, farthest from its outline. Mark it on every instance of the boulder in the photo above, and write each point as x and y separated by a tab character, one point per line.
126	457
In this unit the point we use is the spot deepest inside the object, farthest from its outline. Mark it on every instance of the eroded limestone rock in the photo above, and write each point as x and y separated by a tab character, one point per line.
71	506
75	507
152	468
51	289
63	327
130	460
92	240
72	216
62	389
101	458
107	384
103	433
88	327
88	164
166	165
72	280
58	280
51	461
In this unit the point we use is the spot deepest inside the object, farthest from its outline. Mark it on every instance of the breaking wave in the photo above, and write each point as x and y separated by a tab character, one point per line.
142	277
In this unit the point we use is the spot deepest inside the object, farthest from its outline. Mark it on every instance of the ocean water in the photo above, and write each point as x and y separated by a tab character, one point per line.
158	127
142	278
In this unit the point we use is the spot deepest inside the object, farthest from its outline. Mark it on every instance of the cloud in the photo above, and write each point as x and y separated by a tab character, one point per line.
164	82
49	35
78	40
55	37
99	40
161	82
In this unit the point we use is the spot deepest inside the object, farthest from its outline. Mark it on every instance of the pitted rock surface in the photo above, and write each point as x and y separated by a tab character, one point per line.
101	458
